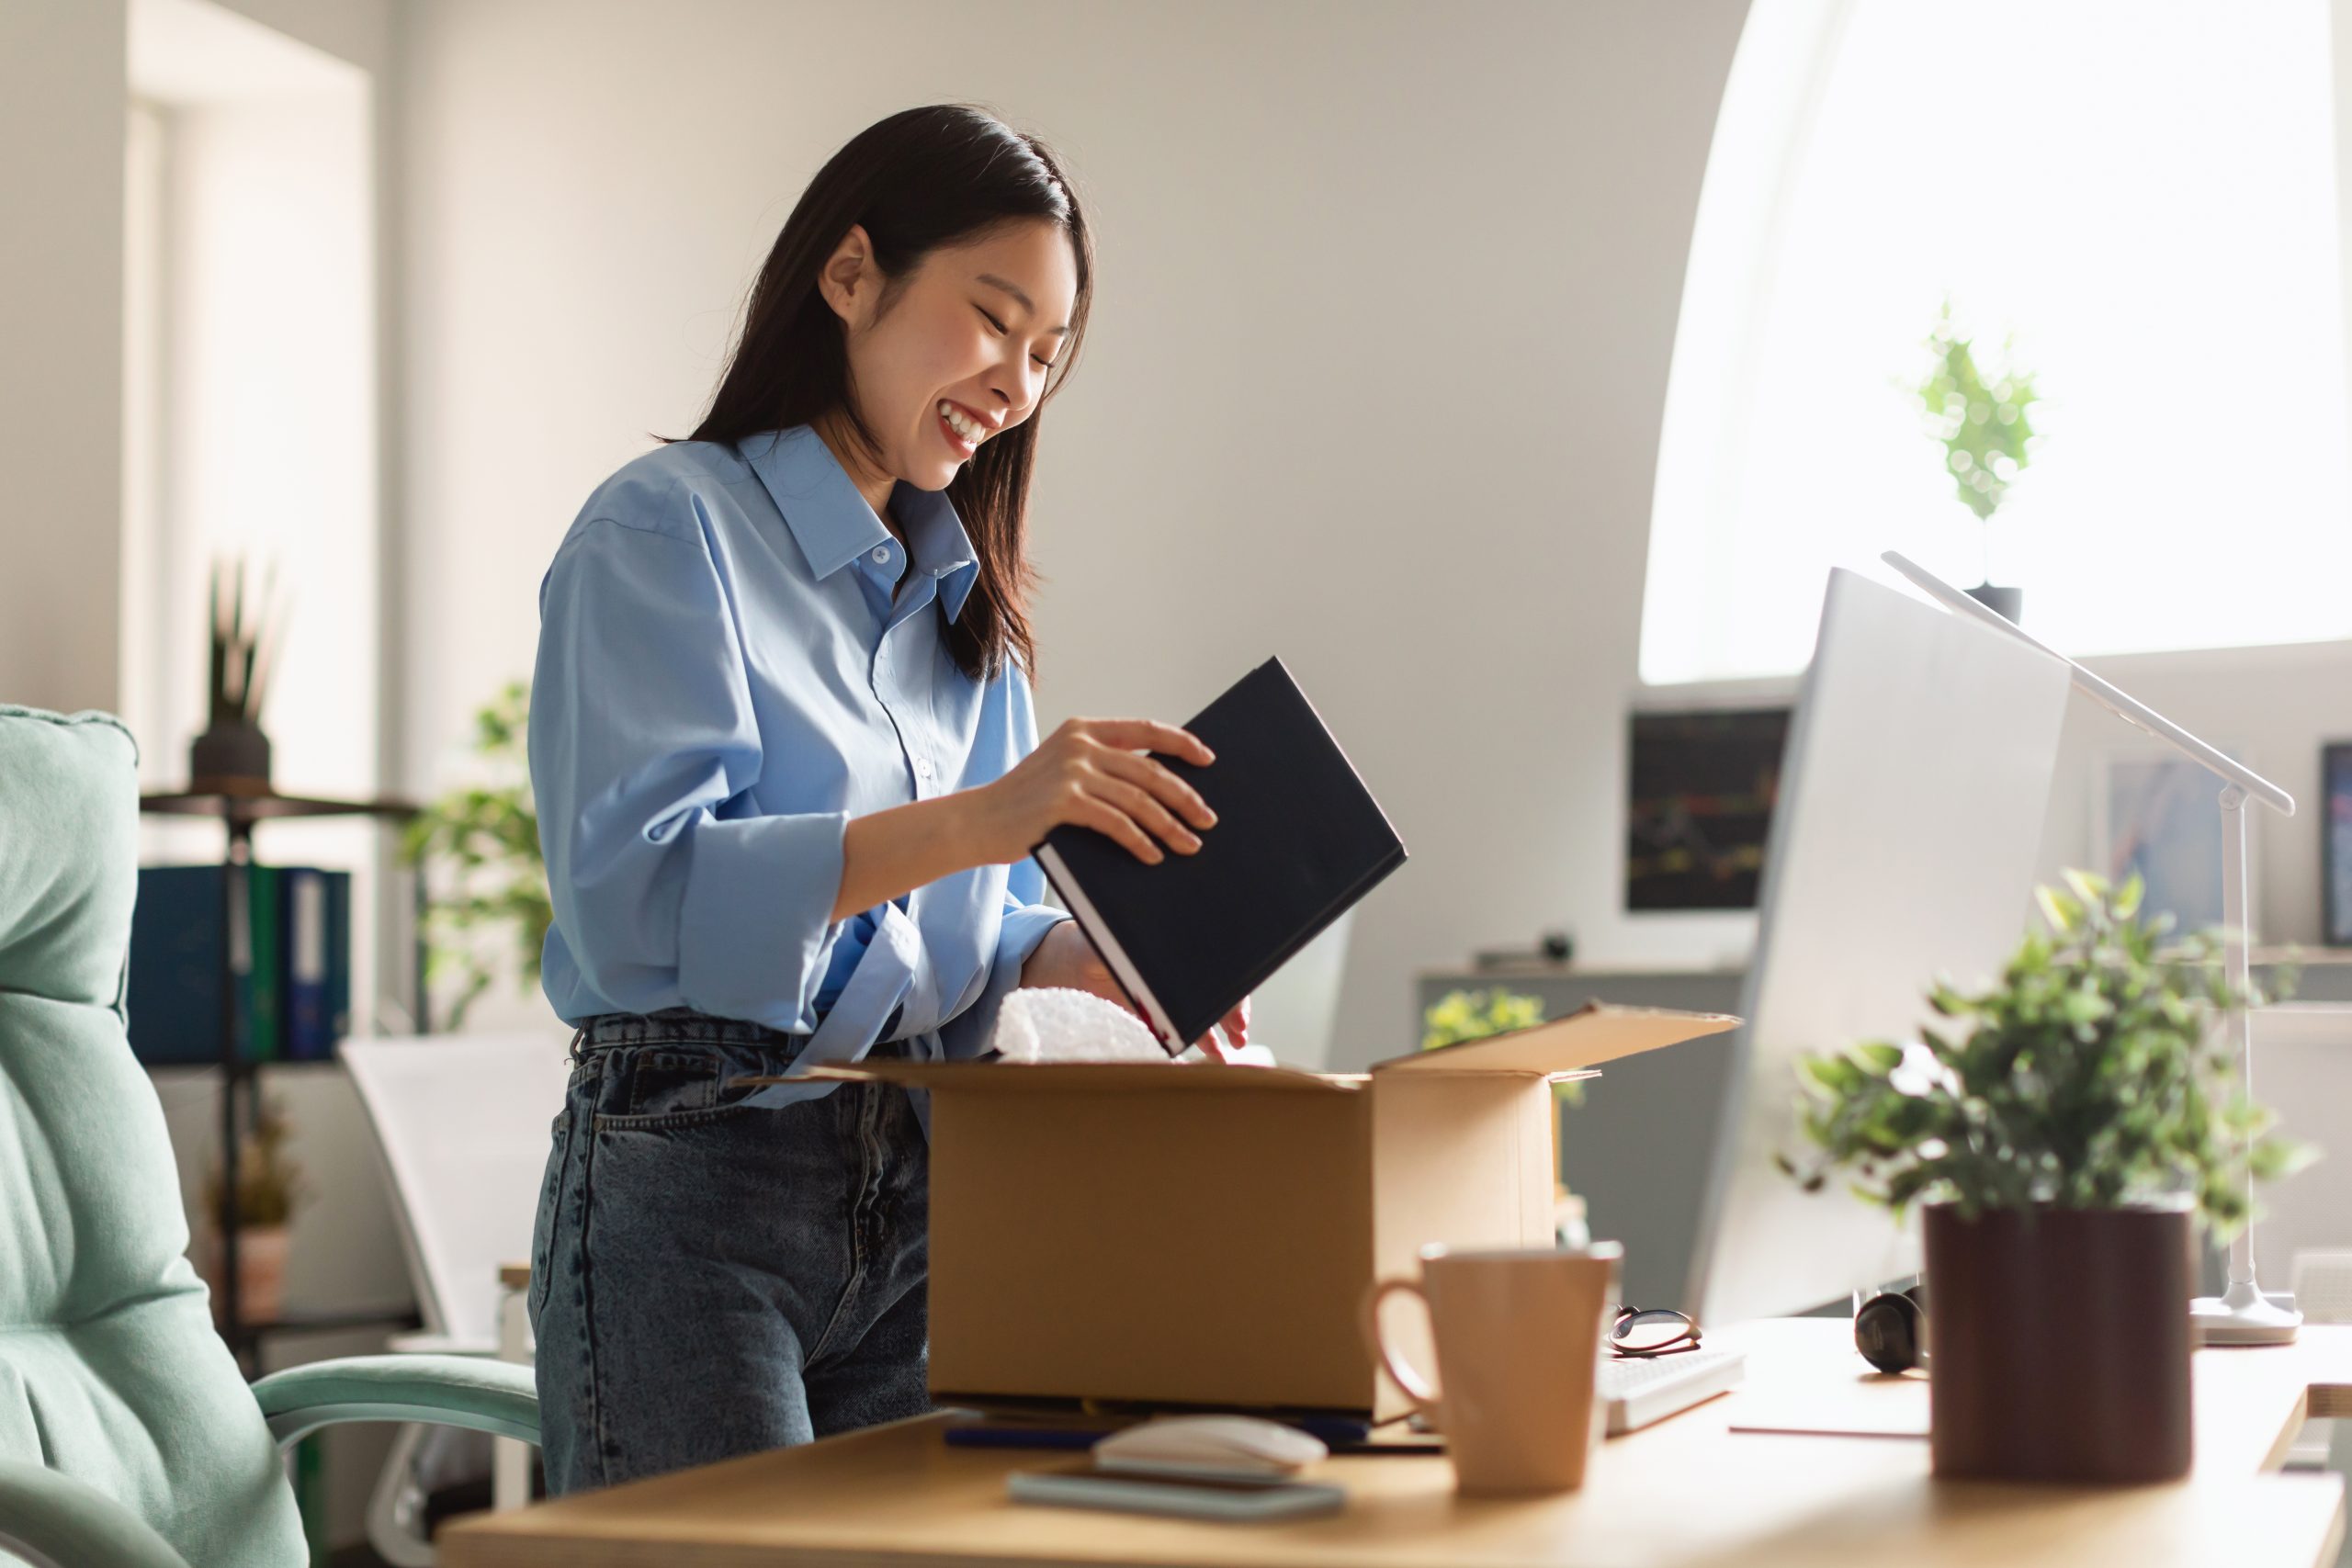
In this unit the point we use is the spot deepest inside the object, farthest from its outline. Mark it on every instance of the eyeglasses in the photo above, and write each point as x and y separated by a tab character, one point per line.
1652	1331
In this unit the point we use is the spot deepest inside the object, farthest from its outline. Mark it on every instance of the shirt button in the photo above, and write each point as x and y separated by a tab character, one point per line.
881	552
922	766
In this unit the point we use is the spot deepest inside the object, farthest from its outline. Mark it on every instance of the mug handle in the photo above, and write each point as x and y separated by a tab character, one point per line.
1417	1388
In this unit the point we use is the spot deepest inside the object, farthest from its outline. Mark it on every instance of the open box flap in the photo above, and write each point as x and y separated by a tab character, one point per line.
1091	1078
1594	1034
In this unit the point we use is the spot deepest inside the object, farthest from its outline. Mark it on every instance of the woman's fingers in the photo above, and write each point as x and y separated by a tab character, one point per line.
1150	735
1093	811
1139	805
1163	785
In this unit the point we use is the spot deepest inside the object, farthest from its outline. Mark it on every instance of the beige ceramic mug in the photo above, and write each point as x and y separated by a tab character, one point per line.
1519	1336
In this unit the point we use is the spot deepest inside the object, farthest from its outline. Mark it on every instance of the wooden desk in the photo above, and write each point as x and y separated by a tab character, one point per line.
1687	1493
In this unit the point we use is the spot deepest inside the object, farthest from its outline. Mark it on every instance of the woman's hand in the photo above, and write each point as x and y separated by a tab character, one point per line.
1235	1025
1095	773
1066	958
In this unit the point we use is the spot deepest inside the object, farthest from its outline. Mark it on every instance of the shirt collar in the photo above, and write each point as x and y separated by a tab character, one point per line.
833	526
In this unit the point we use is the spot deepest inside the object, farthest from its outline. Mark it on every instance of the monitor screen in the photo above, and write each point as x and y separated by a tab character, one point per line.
1701	785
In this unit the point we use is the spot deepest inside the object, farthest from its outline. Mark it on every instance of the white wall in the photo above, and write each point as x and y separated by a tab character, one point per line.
61	316
1381	335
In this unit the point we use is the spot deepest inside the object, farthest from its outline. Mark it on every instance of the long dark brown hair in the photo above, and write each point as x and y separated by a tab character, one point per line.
922	179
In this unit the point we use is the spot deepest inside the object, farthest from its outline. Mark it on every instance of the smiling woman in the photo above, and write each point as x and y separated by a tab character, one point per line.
925	250
788	773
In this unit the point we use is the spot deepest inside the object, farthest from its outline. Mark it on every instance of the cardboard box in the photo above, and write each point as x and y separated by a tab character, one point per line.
1204	1235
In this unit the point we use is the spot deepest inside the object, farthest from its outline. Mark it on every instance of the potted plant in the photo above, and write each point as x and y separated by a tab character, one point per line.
487	837
232	754
270	1187
2062	1129
1982	421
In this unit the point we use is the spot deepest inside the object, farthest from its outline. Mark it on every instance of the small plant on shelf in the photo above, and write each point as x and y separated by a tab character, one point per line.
1982	417
243	655
270	1187
486	839
1474	1015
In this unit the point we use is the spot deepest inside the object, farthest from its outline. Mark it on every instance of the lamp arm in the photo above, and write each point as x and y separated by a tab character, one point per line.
2129	709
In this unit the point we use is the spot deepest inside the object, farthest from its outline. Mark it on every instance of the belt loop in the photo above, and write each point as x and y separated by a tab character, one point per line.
572	1052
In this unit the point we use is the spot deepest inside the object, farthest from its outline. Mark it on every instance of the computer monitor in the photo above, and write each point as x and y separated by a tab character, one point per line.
1902	846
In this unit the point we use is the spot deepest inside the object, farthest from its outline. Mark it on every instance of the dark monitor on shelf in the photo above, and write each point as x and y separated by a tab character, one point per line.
1700	787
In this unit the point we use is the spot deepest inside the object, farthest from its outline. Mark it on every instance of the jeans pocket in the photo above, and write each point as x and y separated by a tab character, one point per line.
543	1224
654	1086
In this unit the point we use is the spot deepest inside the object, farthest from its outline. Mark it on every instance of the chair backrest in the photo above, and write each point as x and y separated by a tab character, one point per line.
110	1371
2321	1280
463	1123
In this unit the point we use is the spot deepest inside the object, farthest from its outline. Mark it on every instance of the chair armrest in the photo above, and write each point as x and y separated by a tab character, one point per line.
419	1342
51	1520
473	1392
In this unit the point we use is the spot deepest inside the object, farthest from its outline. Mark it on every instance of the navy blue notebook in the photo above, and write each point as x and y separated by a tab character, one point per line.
1298	840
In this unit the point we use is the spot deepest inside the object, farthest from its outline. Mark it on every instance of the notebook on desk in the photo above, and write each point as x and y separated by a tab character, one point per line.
1298	842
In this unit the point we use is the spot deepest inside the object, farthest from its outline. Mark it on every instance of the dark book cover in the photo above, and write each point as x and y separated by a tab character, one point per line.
180	952
1298	840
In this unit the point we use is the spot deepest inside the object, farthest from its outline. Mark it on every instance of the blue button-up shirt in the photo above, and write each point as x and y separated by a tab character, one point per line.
735	659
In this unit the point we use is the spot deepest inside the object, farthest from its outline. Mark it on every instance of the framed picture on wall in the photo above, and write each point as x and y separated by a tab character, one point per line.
2336	843
2159	815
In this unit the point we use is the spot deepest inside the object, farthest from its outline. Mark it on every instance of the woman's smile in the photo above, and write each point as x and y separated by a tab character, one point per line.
963	431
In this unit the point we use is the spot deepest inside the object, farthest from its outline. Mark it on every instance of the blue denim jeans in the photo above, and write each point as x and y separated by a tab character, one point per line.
710	1277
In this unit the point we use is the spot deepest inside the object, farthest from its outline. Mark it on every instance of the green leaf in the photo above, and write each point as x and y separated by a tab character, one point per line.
2064	914
1880	1056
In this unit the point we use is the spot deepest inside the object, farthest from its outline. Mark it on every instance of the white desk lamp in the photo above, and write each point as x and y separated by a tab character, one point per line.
2244	1315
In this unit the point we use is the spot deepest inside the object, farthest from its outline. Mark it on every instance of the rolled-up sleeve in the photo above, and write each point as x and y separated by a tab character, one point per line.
1021	927
642	741
1026	917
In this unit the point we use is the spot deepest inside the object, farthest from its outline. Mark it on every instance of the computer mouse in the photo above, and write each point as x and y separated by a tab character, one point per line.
1229	1443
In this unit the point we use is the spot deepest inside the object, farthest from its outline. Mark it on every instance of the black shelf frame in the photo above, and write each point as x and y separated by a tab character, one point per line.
238	805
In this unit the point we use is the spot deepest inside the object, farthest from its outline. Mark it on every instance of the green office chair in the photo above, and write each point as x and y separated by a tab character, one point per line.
127	1436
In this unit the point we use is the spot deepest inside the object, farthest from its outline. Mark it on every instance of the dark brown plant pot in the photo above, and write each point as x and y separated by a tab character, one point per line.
2006	603
229	753
2059	1341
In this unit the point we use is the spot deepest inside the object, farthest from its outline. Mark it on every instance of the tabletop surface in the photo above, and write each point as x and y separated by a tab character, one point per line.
1687	1493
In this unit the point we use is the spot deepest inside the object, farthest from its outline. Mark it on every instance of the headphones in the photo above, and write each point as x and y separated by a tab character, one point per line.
1890	1329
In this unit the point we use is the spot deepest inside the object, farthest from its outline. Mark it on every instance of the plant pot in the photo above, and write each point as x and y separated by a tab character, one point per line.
2006	603
2059	1343
261	1273
237	753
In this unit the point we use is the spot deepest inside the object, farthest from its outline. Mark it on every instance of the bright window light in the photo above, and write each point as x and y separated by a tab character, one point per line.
2144	195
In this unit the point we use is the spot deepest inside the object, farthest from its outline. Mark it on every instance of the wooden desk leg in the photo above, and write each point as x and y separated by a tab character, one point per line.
509	1460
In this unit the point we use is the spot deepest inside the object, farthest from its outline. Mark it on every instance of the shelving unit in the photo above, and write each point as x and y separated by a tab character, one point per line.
238	806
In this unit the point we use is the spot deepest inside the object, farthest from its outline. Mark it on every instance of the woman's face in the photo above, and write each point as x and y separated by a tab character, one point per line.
973	330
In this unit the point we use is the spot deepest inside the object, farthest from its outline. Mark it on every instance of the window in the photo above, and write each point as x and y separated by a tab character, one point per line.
250	416
2144	194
